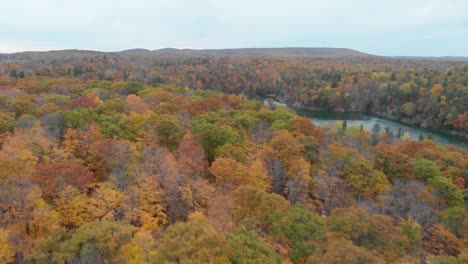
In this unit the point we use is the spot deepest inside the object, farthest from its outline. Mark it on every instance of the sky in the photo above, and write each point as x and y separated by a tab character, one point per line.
392	28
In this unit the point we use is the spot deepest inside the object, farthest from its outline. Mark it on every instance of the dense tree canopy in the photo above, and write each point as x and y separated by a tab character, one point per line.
103	163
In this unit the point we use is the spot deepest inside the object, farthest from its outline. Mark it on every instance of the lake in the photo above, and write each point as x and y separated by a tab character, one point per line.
327	118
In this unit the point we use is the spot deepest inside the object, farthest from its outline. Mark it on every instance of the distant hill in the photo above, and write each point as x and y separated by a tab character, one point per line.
251	52
273	52
443	58
31	59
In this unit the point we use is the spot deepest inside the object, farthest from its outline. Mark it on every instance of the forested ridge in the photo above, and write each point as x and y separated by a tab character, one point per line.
428	93
126	159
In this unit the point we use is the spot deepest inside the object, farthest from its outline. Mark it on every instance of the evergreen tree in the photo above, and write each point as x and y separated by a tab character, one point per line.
375	134
13	74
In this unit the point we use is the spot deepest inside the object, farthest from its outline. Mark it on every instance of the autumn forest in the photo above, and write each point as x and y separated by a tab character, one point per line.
143	157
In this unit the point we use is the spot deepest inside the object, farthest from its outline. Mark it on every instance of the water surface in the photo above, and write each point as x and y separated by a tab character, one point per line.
329	118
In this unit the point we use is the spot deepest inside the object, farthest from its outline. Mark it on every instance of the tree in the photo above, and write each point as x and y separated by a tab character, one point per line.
161	163
302	228
355	224
7	121
169	130
125	75
211	137
119	157
204	106
77	71
191	157
112	106
231	151
375	134
94	242
77	208
53	177
393	162
406	199
344	252
247	247
399	133
461	122
13	74
138	249
230	174
426	170
244	121
80	118
311	150
407	239
338	157
445	260
368	183
195	241
54	124
134	104
25	149
83	101
79	144
146	204
121	126
447	191
421	137
130	87
44	220
22	105
288	169
439	241
6	250
253	207
332	192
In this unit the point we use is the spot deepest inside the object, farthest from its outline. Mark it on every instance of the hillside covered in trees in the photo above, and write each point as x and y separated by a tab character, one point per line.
427	93
99	168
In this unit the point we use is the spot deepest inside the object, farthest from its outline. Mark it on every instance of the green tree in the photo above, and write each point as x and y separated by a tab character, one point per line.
211	137
80	117
169	130
355	224
368	184
426	170
246	247
13	74
232	151
376	129
7	121
94	242
301	228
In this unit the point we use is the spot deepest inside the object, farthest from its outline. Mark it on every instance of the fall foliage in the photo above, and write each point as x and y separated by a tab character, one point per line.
162	167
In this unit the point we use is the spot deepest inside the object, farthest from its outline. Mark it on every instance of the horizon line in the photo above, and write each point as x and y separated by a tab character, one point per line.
220	49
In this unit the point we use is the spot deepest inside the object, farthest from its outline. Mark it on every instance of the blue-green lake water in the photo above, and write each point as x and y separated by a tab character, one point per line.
329	118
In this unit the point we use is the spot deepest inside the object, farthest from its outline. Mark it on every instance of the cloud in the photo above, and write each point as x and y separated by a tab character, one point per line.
115	25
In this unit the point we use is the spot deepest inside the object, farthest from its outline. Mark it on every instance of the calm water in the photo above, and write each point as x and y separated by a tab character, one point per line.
326	118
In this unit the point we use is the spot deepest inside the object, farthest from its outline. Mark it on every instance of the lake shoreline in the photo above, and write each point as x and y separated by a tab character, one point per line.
413	124
318	115
329	118
379	115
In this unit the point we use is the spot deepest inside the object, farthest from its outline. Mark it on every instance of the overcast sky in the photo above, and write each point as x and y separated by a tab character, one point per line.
396	27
